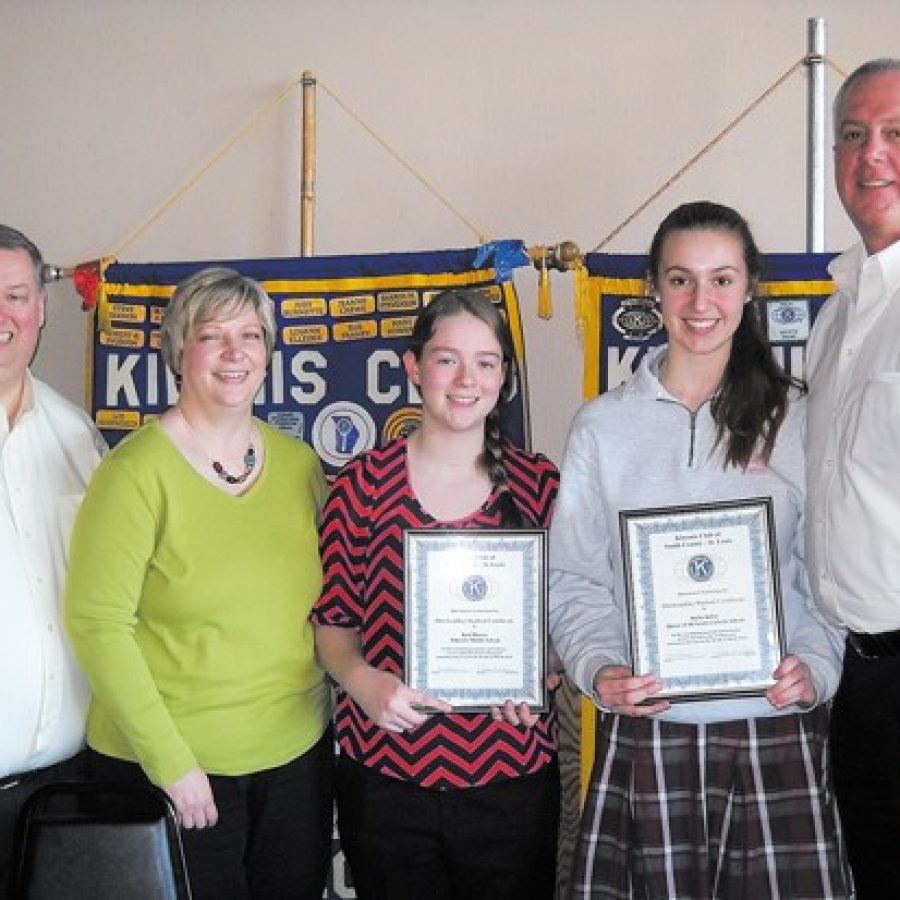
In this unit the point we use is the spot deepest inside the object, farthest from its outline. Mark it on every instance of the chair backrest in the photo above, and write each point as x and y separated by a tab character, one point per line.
100	841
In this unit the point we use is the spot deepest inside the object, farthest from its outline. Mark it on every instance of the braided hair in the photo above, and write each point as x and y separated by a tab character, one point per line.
474	302
752	400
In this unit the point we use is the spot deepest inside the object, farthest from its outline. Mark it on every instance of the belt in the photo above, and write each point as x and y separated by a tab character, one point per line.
875	646
11	781
8	782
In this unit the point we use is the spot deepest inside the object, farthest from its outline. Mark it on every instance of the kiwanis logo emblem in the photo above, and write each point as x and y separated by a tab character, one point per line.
637	319
788	320
701	567
475	588
786	315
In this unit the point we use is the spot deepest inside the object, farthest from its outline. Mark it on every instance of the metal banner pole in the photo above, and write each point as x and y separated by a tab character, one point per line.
815	137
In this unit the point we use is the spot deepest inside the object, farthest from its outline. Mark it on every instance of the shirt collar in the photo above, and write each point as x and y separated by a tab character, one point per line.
25	407
846	268
889	260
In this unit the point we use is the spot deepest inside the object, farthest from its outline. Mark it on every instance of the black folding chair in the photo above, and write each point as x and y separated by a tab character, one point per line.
100	841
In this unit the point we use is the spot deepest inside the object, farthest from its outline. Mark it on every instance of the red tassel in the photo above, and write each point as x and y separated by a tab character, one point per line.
87	278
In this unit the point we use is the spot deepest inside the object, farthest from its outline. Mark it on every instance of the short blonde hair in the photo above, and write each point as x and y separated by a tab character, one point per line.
207	295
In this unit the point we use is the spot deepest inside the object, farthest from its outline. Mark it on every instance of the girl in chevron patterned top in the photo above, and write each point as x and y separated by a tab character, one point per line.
717	798
446	804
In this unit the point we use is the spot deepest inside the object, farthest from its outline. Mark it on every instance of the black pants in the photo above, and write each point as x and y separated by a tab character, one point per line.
865	752
273	837
404	842
12	799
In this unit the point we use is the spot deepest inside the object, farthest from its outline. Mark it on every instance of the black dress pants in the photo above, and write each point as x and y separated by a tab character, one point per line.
273	837
865	753
405	842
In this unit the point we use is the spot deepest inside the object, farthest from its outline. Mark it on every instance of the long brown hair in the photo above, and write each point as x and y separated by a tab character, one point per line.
752	400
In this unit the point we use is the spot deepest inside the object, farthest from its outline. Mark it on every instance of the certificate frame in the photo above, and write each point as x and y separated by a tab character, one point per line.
475	608
703	597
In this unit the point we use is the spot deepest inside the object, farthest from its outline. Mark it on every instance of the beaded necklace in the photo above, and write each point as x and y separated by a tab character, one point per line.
249	466
218	468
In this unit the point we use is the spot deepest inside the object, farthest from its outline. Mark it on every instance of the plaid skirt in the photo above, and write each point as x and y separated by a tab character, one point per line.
736	810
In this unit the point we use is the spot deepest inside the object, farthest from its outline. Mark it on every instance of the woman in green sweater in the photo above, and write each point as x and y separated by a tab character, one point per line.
193	568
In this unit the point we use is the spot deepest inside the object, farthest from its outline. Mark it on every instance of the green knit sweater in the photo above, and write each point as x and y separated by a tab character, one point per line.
188	607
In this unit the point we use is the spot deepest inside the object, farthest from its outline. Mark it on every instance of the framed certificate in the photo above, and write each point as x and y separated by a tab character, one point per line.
703	597
476	614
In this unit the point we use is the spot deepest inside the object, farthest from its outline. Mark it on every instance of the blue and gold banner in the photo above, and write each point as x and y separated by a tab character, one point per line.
621	321
336	378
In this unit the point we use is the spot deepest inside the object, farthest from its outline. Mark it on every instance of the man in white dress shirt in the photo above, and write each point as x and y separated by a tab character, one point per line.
48	450
853	456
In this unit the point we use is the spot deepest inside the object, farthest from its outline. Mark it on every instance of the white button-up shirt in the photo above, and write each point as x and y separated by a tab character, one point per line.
45	463
853	443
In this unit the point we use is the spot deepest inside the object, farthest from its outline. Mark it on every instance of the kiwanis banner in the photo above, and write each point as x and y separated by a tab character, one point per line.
621	322
336	378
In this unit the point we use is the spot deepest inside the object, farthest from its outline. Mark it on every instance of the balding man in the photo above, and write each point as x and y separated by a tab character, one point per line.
853	455
48	450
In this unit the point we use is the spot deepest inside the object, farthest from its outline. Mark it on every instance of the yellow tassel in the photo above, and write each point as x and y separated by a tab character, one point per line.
545	302
582	298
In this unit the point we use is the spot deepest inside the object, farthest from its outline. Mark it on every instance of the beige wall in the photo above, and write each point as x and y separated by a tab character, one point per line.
539	120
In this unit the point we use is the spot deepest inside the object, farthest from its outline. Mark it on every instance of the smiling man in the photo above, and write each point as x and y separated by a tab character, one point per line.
853	455
48	450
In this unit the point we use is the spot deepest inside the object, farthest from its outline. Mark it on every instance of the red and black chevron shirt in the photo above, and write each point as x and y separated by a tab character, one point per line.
370	505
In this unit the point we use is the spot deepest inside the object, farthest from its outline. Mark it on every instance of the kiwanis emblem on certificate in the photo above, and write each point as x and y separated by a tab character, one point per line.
701	567
475	587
